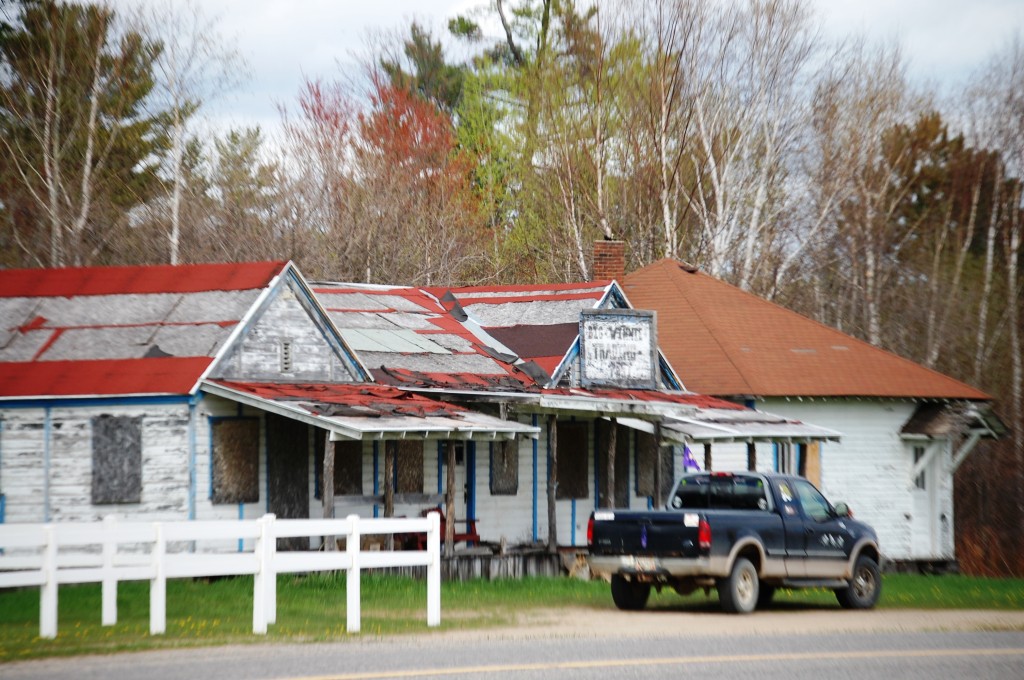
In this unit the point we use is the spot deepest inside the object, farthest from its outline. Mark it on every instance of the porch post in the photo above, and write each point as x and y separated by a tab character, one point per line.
552	483
751	456
613	436
327	490
707	457
657	464
449	497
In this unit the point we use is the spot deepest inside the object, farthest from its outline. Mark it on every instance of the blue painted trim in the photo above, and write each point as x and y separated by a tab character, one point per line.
47	431
572	527
775	455
376	476
440	466
92	402
471	479
536	444
670	378
241	516
192	453
3	497
490	467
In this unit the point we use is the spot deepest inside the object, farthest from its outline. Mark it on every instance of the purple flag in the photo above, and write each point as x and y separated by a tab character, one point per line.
688	461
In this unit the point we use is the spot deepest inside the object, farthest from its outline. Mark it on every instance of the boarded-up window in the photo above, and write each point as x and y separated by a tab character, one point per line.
646	459
505	468
572	460
116	459
602	431
409	466
236	460
348	466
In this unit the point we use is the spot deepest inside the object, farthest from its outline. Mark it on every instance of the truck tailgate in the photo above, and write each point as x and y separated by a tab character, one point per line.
624	532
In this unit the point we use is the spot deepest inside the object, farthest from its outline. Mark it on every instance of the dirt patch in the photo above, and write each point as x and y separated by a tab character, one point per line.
586	622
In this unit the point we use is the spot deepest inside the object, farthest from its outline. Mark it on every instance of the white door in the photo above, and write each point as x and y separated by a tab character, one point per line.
924	523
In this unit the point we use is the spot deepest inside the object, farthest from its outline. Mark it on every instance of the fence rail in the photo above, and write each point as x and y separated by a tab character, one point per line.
32	555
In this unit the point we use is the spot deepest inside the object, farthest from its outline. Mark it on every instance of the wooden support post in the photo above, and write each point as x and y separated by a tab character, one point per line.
327	490
707	457
449	498
613	435
751	456
390	451
552	483
657	465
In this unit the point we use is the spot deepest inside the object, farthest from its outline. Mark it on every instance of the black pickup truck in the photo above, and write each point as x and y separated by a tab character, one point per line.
744	534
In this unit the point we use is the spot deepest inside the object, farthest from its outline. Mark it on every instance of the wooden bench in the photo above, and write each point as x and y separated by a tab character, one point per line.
468	536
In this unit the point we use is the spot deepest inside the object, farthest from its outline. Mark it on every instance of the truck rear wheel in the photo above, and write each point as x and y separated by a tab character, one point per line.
739	592
629	595
864	588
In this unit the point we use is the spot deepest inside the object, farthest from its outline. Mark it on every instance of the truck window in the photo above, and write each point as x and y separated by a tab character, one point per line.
814	504
724	492
692	492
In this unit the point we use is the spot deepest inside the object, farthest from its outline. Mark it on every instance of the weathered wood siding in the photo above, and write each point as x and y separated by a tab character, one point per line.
285	320
52	480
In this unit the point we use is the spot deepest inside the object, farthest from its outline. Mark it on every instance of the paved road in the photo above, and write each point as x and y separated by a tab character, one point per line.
764	648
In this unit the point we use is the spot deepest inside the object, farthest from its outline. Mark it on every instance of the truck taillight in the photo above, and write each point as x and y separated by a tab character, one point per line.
590	531
704	535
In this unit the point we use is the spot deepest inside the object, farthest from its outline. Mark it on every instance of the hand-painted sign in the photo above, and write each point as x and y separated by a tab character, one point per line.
618	348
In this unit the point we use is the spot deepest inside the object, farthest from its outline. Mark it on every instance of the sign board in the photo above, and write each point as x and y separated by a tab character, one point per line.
618	348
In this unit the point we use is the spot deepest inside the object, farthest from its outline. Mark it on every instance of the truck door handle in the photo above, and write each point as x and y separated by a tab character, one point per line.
808	530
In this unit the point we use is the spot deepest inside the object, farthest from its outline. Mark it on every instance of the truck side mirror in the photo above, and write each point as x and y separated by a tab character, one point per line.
843	510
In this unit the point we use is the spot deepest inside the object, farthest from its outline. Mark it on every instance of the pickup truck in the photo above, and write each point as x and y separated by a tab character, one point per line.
744	534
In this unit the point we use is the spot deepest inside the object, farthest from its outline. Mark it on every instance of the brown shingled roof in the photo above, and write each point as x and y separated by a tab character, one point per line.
726	342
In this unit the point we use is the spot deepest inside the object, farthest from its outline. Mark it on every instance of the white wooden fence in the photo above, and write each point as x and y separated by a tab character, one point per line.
32	555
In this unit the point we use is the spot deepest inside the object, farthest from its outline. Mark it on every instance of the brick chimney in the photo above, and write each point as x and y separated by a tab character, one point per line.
609	260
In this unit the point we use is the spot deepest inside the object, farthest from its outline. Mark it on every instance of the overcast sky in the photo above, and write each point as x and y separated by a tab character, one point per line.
285	41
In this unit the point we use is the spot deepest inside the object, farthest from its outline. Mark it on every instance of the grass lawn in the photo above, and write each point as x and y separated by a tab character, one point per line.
312	608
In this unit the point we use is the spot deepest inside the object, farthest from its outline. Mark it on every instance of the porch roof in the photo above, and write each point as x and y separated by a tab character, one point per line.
709	426
365	411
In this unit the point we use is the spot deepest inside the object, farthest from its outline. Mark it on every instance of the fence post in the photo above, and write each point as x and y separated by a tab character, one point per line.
109	576
158	584
270	576
434	569
259	591
48	591
352	612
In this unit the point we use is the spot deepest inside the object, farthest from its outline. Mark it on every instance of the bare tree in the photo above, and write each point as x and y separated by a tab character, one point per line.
197	65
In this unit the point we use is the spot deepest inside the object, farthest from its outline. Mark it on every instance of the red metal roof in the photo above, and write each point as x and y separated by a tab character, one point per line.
192	278
155	330
166	375
378	398
724	341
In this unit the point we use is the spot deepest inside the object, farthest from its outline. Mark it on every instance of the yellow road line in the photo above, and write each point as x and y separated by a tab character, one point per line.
667	661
